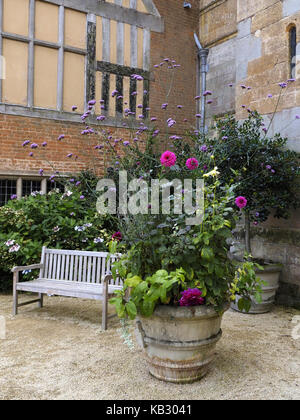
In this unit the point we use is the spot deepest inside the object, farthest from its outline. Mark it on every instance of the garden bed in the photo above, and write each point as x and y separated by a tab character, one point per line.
60	352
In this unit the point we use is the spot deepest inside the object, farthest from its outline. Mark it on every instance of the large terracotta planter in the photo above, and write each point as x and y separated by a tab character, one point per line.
270	275
179	342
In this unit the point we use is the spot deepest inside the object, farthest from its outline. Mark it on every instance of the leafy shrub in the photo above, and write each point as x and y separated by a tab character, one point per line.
56	220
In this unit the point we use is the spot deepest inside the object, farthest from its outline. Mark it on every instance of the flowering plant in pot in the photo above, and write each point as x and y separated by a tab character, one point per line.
265	173
179	276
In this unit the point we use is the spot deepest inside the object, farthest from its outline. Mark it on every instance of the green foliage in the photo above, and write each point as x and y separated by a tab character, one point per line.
56	220
245	284
264	170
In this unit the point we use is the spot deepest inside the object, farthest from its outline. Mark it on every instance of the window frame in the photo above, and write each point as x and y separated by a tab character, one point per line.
292	51
19	182
150	22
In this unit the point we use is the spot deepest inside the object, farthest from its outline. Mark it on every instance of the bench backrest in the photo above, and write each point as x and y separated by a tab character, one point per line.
80	266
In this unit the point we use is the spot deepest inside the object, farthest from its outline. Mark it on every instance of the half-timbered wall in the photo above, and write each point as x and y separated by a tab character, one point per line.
61	53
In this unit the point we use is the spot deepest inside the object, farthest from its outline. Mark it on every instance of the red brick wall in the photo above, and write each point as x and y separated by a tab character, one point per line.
175	43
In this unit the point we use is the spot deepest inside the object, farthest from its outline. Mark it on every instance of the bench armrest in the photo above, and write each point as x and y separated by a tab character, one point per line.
28	267
107	278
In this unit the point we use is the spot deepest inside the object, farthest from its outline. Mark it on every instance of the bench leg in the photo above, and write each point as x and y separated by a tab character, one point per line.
105	306
41	302
15	302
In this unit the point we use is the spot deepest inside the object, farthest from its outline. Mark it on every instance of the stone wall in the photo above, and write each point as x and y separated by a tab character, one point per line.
252	49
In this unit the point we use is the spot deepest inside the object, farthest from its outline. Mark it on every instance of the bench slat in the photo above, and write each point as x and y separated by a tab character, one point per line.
84	269
57	276
65	288
89	268
94	264
76	268
46	268
49	274
67	267
80	268
71	252
71	271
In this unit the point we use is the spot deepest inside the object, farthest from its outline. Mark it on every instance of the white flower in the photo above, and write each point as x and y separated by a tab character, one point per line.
14	248
79	228
214	172
68	193
88	225
98	240
10	242
56	229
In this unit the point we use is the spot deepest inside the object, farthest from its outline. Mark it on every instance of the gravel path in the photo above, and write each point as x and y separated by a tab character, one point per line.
60	352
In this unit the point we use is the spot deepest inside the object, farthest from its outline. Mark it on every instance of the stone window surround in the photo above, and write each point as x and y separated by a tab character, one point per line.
92	8
19	177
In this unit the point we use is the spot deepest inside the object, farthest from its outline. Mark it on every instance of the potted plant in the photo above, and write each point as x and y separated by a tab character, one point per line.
265	173
178	278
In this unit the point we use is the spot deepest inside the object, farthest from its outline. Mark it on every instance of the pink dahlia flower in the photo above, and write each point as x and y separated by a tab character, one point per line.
192	163
241	202
168	159
117	236
191	297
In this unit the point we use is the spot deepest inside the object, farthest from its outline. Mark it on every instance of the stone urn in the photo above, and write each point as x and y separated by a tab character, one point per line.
270	275
179	342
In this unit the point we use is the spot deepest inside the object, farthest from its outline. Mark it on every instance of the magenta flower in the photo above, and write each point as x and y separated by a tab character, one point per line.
13	197
34	146
92	103
44	144
101	118
41	172
61	137
74	108
192	164
82	197
198	115
168	159
207	92
164	106
191	297
241	202
69	155
25	143
117	236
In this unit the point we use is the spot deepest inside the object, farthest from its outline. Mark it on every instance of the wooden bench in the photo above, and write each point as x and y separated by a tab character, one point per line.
81	274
